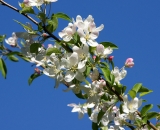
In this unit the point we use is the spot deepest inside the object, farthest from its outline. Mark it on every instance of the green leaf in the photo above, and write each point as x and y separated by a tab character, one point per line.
13	58
24	26
151	115
100	115
89	111
52	24
124	89
34	47
3	68
104	128
137	87
2	37
132	93
81	96
158	106
52	50
104	64
145	109
109	44
42	16
27	10
94	126
63	16
32	77
87	71
106	73
144	93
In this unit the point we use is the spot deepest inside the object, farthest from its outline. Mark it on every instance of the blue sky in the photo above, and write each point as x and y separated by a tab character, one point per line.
134	26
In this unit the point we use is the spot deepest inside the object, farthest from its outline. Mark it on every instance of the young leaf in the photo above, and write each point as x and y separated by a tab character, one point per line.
132	93
2	37
137	87
3	68
63	16
104	128
145	109
13	58
52	24
144	93
151	115
27	10
52	50
94	126
34	47
100	115
32	77
106	73
24	26
109	44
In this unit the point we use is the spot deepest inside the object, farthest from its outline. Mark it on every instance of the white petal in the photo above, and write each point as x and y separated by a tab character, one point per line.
100	28
79	76
69	76
80	32
73	59
92	43
80	115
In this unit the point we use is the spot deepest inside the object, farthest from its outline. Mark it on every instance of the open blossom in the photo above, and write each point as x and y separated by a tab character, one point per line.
119	74
103	52
12	41
67	32
129	63
78	108
88	33
36	2
74	66
131	106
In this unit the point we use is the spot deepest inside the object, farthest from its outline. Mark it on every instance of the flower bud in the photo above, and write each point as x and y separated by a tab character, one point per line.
129	63
110	58
25	1
37	70
94	57
44	35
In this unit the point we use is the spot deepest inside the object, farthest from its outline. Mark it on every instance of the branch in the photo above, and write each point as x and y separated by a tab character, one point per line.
35	22
121	99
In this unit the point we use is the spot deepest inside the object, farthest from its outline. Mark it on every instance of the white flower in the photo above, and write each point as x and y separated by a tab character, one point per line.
131	106
119	74
75	68
103	52
95	74
78	108
12	41
37	2
67	33
87	30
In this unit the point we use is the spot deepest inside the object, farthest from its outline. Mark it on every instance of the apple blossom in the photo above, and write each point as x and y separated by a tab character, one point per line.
129	63
119	74
102	52
12	41
131	106
78	108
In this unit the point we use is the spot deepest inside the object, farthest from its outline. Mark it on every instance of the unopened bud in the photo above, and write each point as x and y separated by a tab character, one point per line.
110	58
25	1
129	63
44	35
94	57
50	46
37	70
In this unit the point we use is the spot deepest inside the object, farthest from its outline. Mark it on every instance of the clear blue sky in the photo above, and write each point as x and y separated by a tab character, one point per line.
134	26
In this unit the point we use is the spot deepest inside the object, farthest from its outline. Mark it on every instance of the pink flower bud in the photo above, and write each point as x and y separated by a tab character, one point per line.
100	49
37	70
94	57
25	1
44	35
129	63
110	58
50	45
